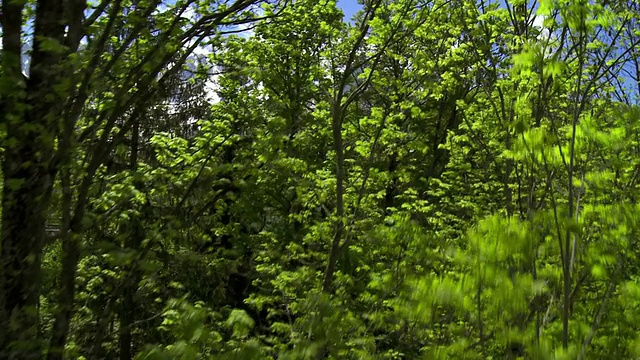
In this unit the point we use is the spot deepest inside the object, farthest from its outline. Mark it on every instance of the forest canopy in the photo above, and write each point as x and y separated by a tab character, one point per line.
267	179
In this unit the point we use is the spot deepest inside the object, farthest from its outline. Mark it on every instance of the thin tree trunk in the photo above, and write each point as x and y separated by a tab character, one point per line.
71	251
128	308
337	238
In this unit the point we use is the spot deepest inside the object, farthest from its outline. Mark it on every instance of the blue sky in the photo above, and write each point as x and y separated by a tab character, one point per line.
349	7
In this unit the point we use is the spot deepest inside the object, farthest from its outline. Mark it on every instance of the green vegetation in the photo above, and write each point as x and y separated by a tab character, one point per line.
253	179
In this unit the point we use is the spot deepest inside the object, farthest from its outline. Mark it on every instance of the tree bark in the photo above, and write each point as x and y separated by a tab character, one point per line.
128	307
337	238
29	114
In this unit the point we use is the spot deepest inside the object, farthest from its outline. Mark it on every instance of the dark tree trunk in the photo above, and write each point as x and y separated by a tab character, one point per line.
30	118
24	210
135	236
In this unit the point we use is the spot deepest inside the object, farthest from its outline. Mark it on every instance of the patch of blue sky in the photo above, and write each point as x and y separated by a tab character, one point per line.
349	8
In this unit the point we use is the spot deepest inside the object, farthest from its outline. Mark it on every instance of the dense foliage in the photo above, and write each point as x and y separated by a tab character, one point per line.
255	179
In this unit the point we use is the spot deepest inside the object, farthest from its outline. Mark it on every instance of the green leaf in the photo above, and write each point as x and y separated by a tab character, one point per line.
241	323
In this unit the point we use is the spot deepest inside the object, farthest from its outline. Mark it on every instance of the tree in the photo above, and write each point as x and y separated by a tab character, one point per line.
43	110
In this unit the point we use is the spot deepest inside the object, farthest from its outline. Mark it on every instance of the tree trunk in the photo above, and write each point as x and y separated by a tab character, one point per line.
134	238
29	111
24	210
71	251
335	243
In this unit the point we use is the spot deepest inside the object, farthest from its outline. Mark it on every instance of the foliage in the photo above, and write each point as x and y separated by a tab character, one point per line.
261	179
